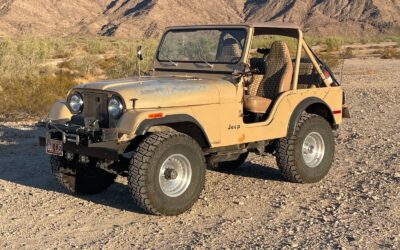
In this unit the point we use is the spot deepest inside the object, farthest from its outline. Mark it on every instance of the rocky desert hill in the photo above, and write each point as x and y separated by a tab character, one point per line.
147	18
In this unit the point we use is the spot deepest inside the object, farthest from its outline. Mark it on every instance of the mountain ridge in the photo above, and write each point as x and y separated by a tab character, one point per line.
148	18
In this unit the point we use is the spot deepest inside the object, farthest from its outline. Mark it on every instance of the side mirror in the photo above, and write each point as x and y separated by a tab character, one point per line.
139	54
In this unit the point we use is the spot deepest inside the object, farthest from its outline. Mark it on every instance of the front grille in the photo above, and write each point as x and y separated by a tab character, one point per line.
95	105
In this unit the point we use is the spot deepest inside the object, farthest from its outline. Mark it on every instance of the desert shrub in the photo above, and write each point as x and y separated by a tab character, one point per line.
33	96
34	72
390	53
333	44
21	60
364	40
332	60
266	42
97	46
126	65
84	65
313	41
348	53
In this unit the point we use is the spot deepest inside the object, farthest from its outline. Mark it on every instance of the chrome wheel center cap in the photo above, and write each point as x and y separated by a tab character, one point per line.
170	174
313	149
175	175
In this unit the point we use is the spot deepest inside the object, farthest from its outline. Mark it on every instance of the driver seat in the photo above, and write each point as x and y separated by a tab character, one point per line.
277	79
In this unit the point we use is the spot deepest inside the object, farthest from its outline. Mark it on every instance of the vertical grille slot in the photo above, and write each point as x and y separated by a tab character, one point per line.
95	105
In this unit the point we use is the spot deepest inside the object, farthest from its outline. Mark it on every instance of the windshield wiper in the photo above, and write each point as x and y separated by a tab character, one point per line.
208	64
172	62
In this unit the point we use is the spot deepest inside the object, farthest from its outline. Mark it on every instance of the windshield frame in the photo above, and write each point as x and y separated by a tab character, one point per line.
246	37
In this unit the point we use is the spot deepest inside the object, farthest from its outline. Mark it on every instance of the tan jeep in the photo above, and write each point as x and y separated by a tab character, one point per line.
209	100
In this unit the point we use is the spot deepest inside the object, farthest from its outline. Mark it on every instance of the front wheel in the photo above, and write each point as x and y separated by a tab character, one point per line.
167	173
307	155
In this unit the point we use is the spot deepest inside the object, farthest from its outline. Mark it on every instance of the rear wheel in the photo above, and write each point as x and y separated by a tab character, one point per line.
167	173
80	179
307	155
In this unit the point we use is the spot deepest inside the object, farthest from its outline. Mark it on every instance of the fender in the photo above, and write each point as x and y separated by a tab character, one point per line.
145	125
59	112
301	107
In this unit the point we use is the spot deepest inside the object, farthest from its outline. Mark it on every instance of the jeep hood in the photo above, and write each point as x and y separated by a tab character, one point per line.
162	92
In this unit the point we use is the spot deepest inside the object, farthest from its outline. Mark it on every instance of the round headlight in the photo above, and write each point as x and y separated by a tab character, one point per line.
76	103
115	107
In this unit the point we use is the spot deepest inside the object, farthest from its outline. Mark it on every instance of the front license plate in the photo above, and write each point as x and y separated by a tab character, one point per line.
54	147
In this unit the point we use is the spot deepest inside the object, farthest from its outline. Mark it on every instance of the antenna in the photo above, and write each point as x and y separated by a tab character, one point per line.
139	58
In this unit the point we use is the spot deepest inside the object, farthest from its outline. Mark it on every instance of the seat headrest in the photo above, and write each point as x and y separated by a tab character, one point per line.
279	51
229	42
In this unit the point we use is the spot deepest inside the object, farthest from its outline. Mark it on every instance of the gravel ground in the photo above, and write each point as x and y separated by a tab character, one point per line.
356	206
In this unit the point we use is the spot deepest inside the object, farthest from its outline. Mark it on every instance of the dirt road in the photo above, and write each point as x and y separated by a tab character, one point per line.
356	206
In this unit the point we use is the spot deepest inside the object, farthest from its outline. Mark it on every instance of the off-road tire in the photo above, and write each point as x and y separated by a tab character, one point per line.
231	165
145	167
289	150
80	179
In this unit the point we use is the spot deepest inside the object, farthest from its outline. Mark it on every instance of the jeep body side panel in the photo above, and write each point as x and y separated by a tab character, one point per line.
235	131
223	123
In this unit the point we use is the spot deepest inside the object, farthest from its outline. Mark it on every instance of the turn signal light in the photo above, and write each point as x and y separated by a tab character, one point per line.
155	115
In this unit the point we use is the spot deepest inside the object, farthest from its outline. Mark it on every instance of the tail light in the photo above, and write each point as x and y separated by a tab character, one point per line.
328	77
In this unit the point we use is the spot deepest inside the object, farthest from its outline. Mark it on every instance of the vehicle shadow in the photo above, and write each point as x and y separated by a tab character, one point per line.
23	162
256	171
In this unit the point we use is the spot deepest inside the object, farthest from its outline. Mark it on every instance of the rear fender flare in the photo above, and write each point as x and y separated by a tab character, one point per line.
301	107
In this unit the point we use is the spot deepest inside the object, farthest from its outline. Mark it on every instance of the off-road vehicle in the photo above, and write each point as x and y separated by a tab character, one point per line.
210	100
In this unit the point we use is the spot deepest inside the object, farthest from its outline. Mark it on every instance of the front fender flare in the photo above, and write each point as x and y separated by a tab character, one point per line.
146	124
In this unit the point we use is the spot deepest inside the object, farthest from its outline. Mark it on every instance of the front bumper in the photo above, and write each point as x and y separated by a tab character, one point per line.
93	151
96	143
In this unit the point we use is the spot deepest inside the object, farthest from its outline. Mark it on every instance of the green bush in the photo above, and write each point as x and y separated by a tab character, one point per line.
333	44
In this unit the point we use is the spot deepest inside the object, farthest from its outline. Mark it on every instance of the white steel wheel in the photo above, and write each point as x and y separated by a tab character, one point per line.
313	149
175	175
306	155
167	173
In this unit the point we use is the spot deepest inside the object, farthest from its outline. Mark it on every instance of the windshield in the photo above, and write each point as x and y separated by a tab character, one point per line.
207	46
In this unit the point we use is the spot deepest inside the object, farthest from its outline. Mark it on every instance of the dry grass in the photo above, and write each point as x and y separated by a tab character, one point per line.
34	72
